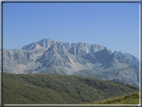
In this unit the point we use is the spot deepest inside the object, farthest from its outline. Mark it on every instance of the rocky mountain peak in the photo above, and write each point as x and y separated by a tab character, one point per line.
95	47
29	47
104	51
76	51
119	52
103	56
46	43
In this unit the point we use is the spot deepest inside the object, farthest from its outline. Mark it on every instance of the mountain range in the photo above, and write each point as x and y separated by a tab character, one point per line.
82	59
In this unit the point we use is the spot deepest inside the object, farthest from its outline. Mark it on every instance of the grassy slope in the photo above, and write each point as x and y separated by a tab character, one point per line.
128	99
59	89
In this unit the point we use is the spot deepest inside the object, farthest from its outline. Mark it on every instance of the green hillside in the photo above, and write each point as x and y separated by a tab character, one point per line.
128	99
60	89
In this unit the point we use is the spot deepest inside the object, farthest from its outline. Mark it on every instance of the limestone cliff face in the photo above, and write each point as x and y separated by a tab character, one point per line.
67	58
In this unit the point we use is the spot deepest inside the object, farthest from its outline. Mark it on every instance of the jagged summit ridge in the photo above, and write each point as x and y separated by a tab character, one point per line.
46	43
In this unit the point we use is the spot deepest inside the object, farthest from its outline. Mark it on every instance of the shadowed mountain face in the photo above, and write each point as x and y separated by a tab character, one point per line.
46	56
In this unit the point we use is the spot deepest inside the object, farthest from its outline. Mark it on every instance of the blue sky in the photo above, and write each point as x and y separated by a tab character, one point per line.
113	25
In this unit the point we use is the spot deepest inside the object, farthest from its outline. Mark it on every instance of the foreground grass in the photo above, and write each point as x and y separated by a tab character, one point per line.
128	99
59	89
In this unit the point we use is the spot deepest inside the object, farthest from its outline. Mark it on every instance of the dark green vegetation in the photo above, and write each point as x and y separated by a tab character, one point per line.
60	89
128	99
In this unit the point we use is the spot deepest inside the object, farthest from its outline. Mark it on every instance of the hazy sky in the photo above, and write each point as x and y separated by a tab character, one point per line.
113	25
